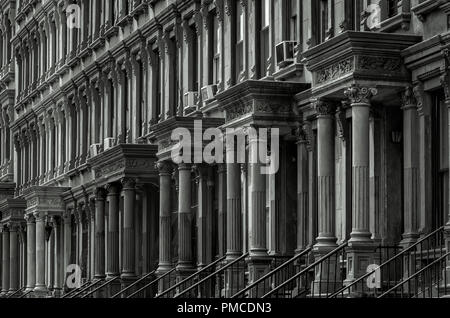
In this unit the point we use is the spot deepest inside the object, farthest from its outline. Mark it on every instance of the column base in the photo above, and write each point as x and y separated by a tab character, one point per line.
112	288
164	283
125	282
258	266
327	274
40	292
359	256
183	273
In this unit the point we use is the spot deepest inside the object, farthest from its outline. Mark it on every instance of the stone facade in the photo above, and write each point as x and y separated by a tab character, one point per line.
92	90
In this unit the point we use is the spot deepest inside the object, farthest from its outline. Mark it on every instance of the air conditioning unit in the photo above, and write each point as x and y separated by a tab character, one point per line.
208	92
190	99
285	53
109	143
94	150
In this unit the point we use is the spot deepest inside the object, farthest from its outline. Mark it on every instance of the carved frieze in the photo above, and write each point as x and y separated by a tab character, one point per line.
238	111
335	71
378	63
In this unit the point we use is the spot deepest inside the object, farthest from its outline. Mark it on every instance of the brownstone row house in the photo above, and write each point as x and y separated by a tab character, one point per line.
90	92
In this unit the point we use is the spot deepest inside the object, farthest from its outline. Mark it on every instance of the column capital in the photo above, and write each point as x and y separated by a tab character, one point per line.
184	166
164	167
408	98
360	95
324	108
39	216
128	183
112	188
30	218
100	194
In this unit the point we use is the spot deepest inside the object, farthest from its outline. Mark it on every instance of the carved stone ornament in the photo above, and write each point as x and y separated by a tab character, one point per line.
358	94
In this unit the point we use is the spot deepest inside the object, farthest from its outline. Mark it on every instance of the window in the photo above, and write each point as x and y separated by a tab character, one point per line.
215	52
293	20
323	19
193	85
392	8
264	36
239	39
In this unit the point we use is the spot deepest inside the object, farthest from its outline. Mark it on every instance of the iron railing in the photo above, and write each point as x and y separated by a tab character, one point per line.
150	290
318	279
16	292
187	282
223	283
75	290
424	282
83	290
272	279
25	294
134	284
402	265
102	286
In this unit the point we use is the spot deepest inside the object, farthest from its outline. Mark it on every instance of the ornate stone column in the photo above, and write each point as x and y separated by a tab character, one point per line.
128	263
326	241
302	191
234	206
258	261
13	259
100	233
31	252
58	255
67	241
5	260
113	231
411	199
165	170
40	287
185	259
361	247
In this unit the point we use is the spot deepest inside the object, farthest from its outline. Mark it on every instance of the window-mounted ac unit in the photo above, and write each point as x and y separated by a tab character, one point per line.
285	53
94	150
109	143
208	92
190	99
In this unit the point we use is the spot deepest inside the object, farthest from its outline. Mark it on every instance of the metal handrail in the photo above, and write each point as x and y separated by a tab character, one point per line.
415	274
387	262
151	283
16	292
133	284
101	286
191	277
75	290
212	275
308	268
252	285
92	284
26	293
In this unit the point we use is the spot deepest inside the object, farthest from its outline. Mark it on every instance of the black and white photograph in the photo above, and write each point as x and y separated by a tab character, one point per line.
224	156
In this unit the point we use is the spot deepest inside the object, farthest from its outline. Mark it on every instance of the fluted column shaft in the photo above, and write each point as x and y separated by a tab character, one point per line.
325	174
411	199
40	252
113	231
31	251
302	193
164	216
5	260
128	263
257	189
100	233
360	105
234	206
184	218
13	259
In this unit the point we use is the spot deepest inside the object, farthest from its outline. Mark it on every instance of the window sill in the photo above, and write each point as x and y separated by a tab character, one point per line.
423	9
401	20
289	72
